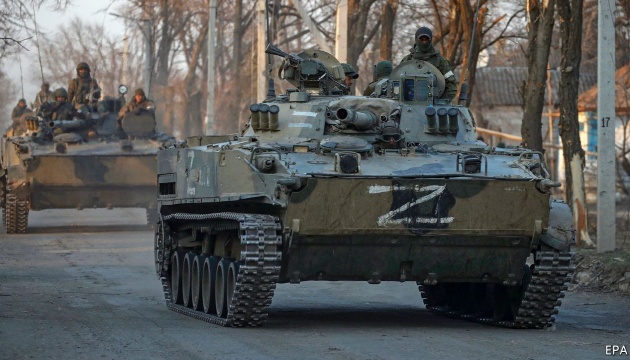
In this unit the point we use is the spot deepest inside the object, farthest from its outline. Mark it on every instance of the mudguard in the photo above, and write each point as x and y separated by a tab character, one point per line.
561	231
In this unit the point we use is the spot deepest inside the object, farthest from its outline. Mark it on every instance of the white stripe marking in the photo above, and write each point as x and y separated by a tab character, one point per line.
305	113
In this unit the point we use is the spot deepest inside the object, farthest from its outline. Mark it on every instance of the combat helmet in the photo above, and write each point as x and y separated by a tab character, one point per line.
383	69
83	65
61	92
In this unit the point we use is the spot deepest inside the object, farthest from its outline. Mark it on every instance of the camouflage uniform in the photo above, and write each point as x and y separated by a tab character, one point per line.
60	110
383	69
80	88
19	110
133	105
43	96
430	55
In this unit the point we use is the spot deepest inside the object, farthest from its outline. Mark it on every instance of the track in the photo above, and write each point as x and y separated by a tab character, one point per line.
247	286
15	215
534	308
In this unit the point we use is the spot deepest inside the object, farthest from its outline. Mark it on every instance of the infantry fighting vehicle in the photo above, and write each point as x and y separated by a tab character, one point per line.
92	162
390	187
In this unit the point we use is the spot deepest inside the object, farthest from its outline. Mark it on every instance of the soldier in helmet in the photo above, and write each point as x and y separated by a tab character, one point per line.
83	91
423	50
19	109
383	70
138	104
61	109
45	95
351	75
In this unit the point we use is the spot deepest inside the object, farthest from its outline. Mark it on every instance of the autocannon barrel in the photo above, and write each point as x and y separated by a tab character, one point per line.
68	125
360	120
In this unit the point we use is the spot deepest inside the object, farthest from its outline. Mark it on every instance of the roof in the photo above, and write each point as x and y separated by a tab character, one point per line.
501	85
588	100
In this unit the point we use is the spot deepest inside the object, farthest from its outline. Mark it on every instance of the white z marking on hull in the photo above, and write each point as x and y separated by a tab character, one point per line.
388	219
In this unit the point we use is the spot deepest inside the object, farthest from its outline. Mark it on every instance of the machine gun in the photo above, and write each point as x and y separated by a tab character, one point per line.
273	50
312	70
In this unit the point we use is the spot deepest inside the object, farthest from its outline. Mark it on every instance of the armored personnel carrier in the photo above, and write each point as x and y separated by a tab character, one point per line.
92	162
390	187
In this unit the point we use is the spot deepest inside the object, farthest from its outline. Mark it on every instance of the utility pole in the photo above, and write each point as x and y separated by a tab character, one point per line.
212	22
606	211
125	55
261	64
341	37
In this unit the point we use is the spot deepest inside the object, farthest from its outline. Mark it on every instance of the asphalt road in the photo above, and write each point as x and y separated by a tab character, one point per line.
81	285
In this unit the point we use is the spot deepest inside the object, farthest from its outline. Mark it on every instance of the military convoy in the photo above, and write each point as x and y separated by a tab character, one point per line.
389	187
92	162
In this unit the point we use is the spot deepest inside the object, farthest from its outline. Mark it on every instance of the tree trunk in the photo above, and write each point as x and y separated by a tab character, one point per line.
234	107
388	17
358	33
570	17
166	42
541	19
467	14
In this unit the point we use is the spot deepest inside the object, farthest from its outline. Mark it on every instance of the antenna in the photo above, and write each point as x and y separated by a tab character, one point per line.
271	91
21	78
39	54
463	96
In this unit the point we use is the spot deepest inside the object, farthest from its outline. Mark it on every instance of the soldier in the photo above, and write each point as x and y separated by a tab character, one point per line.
83	91
424	50
45	95
383	70
61	109
19	109
351	75
138	104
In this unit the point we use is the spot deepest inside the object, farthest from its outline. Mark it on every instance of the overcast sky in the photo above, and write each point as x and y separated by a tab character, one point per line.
48	21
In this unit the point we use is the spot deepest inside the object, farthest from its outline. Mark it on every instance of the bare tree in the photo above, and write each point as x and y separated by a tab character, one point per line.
388	17
84	42
7	91
359	34
540	22
570	18
17	15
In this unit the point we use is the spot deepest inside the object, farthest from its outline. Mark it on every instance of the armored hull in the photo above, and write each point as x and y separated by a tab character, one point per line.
320	189
86	165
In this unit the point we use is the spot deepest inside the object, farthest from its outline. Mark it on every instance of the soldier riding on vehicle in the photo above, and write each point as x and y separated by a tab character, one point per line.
44	96
383	70
61	109
83	91
423	50
138	104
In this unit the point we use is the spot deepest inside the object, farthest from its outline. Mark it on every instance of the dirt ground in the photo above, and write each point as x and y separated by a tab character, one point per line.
610	271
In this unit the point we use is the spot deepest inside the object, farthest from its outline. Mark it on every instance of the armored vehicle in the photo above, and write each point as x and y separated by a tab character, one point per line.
95	161
389	187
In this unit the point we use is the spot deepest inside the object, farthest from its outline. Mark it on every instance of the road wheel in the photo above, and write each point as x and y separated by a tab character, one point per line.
232	278
176	278
220	285
195	281
186	275
207	284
